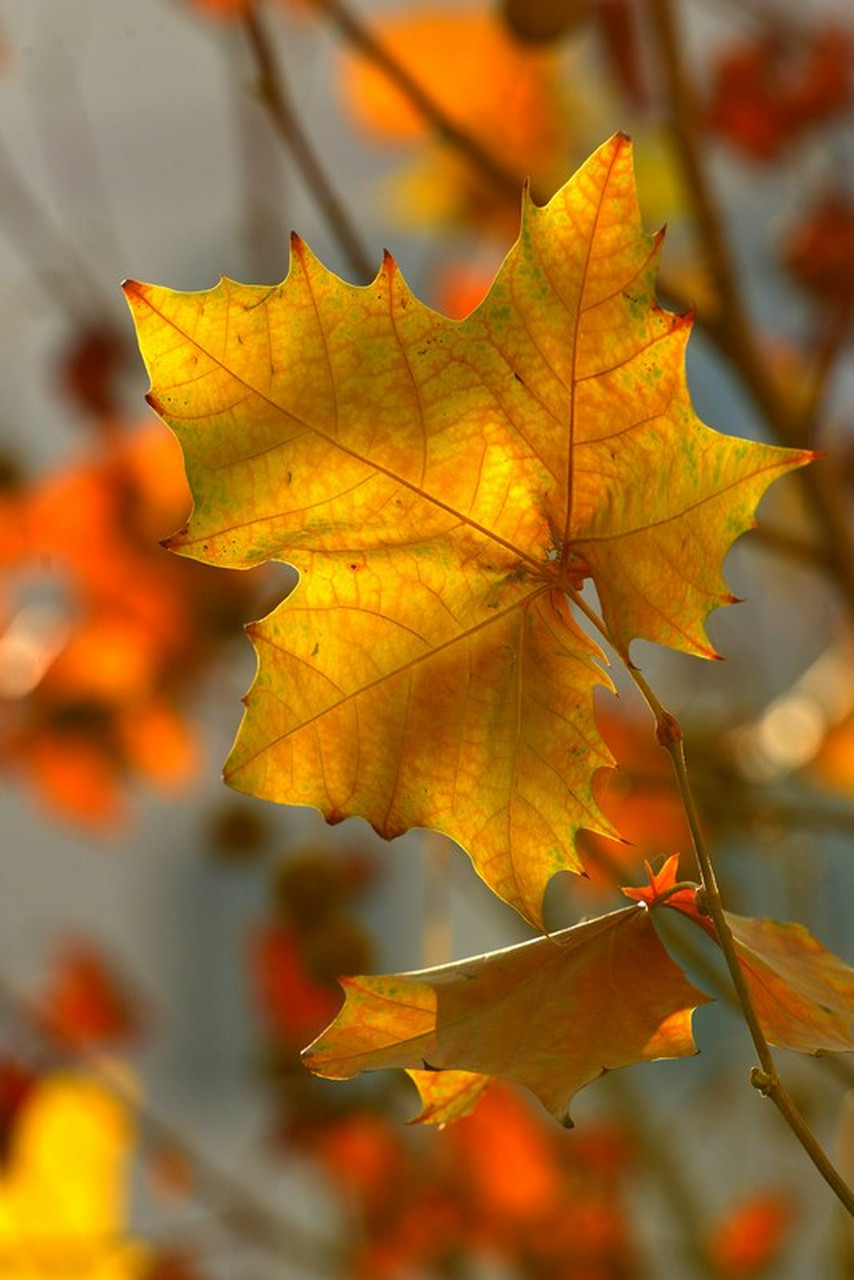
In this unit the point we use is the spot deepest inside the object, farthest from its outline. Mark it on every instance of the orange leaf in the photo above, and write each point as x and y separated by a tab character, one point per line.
511	97
766	92
86	1002
294	1004
441	486
75	778
510	1160
474	70
820	250
748	1238
552	1014
159	744
447	1095
802	993
362	1152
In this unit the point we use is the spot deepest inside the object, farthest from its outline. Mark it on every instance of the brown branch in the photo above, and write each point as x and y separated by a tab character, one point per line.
54	260
769	537
731	330
765	1077
361	38
836	332
274	95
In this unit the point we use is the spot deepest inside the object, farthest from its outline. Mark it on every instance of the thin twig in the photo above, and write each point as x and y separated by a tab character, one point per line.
54	260
359	35
769	537
276	98
765	1077
837	330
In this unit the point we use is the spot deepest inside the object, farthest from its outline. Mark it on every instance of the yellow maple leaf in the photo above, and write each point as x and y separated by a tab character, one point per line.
63	1193
444	489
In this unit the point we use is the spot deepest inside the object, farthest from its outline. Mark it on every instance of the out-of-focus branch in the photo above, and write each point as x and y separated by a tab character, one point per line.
765	1078
54	260
361	38
277	100
731	329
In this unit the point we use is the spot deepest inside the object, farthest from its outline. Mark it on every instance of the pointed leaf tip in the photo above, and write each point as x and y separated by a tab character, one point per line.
452	688
601	995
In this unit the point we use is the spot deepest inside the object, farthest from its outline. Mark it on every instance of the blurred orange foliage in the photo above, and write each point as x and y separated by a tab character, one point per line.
501	1184
506	94
748	1238
105	633
766	92
820	250
86	1001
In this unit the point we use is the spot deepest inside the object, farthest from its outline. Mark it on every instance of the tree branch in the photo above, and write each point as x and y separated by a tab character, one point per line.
731	329
765	1077
276	98
361	38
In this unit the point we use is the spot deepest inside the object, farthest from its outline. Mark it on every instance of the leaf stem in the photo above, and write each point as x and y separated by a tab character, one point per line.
765	1077
681	886
274	95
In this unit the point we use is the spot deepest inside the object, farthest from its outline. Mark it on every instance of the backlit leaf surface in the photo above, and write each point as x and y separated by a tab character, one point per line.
447	1095
551	1014
440	486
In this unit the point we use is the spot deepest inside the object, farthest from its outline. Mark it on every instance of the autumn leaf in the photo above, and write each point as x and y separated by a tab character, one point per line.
87	1001
447	1095
802	993
747	1239
533	1196
62	1196
504	1183
441	486
291	1000
551	1015
820	250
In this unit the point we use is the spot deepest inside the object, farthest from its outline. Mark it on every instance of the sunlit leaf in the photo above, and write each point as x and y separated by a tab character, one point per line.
441	485
447	1095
